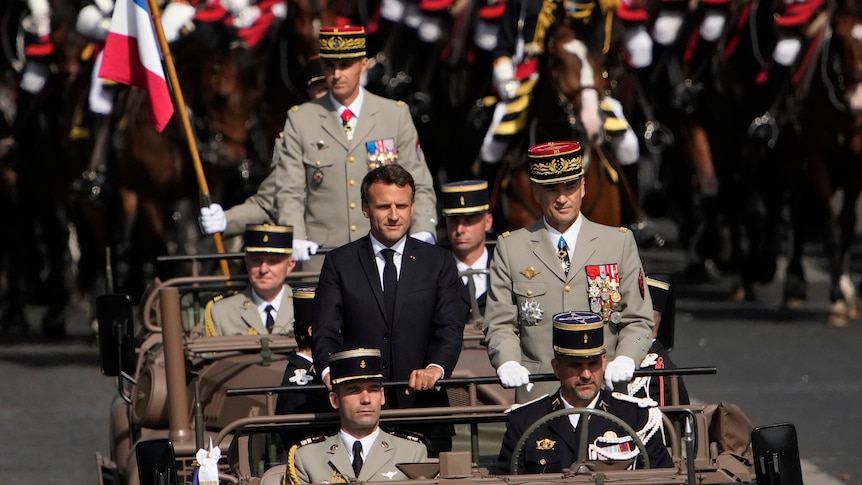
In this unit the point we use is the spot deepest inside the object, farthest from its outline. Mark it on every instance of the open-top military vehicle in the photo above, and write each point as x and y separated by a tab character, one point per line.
178	388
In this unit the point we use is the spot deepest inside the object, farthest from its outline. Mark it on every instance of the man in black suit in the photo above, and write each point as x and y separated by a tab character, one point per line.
579	357
395	293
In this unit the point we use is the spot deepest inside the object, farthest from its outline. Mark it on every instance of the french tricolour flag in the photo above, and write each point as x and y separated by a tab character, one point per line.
132	57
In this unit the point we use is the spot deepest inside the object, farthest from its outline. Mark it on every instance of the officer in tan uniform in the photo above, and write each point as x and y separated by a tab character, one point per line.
266	305
360	449
563	262
327	147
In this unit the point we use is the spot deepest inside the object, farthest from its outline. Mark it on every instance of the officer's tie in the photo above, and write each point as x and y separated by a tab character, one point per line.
346	116
390	283
563	254
270	321
357	458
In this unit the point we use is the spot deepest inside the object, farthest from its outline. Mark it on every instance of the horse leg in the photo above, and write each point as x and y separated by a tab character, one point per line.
795	285
846	225
55	236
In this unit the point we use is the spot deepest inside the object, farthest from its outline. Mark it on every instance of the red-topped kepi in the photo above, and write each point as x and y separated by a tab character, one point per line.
556	162
346	42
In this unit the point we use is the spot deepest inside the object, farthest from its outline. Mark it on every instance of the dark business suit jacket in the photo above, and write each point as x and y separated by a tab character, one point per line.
554	445
430	312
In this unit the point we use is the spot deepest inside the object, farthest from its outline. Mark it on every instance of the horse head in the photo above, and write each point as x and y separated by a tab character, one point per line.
575	72
220	80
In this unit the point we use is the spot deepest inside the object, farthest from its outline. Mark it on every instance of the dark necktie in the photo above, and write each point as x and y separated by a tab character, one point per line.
270	321
346	116
357	458
563	254
390	283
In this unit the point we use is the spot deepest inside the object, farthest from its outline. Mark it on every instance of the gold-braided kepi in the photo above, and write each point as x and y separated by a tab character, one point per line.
556	162
579	334
349	365
346	42
266	238
465	197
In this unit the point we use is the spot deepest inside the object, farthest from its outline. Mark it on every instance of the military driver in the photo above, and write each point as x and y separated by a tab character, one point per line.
579	355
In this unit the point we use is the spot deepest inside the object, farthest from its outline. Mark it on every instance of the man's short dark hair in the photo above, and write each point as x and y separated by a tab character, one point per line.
300	333
389	175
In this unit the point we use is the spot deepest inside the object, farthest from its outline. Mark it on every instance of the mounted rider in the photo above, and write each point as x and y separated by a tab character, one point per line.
523	36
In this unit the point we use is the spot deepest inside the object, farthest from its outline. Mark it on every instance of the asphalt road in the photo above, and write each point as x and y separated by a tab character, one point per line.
779	366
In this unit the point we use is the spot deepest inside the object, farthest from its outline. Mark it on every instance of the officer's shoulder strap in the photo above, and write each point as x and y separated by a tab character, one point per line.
290	476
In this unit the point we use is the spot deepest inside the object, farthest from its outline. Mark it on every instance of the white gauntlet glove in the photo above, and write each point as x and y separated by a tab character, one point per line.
92	22
175	16
504	79
212	219
302	249
513	374
621	369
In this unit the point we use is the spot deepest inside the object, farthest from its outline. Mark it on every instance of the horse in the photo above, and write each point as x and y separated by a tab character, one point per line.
36	187
827	158
755	110
667	102
154	172
569	87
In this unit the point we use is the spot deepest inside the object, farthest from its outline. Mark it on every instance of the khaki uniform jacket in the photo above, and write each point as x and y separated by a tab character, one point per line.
526	268
329	462
237	314
317	172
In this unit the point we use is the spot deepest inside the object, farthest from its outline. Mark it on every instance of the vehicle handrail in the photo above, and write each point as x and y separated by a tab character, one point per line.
150	305
489	411
462	381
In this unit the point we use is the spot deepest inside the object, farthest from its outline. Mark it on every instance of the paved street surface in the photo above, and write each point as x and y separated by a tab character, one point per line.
779	366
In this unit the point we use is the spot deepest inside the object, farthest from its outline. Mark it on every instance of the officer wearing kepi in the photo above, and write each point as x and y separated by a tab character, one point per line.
360	450
563	262
579	355
265	306
327	146
466	207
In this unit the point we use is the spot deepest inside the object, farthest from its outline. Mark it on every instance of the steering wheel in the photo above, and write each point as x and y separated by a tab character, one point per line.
582	446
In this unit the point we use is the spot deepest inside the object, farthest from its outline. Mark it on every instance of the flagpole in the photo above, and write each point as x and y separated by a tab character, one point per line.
155	16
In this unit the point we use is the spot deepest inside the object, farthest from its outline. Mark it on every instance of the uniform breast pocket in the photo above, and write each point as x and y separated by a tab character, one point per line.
529	296
316	172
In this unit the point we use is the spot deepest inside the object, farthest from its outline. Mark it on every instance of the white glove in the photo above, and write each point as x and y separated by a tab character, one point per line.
302	249
639	46
712	25
234	6
424	236
212	219
246	17
666	27
786	51
175	17
621	369
93	23
34	76
504	79
513	374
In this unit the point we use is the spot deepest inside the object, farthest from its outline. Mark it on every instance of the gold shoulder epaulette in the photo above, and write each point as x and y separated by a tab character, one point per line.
624	229
294	108
505	234
209	325
401	103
